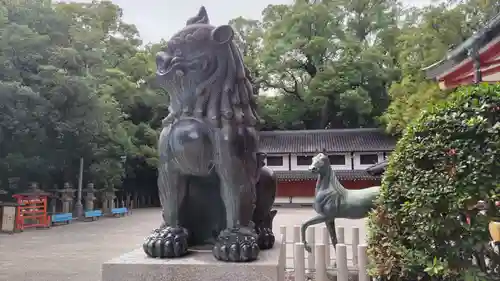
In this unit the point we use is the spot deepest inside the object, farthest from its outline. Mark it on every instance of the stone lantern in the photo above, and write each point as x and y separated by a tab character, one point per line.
108	196
66	196
90	197
34	189
54	196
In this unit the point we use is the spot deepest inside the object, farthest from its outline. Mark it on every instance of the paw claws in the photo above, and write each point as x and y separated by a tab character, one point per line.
166	242
236	246
266	238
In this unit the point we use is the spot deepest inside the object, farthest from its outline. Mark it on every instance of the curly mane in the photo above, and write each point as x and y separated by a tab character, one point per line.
235	90
223	94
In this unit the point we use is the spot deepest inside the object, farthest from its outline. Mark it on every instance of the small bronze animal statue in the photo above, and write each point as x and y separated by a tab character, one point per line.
378	169
212	184
333	201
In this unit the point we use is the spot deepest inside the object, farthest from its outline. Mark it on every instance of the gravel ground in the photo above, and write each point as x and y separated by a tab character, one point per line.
75	252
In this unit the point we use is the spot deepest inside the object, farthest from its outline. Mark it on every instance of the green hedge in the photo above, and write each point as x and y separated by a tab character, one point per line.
447	159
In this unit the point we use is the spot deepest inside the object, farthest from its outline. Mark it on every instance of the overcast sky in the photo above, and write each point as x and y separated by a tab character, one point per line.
158	19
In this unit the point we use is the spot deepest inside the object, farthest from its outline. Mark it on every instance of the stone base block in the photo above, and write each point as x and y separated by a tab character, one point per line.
198	266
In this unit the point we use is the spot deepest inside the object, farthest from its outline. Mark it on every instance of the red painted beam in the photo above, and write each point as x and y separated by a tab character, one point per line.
305	188
487	57
469	79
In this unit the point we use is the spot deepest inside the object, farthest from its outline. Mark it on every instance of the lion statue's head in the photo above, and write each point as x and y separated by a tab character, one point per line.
202	70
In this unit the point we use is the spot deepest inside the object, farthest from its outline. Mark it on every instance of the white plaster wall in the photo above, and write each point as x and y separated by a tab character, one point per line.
284	167
348	163
293	161
296	167
357	162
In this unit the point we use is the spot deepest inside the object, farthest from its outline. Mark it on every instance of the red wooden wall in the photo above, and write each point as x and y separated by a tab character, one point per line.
305	188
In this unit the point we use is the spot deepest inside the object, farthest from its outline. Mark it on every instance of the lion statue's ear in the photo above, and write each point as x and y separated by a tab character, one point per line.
223	34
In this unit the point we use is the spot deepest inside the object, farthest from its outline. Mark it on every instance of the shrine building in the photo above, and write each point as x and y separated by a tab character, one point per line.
476	60
351	152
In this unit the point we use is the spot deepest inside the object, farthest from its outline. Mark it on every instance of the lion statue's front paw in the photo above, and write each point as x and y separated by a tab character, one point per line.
265	238
236	245
166	242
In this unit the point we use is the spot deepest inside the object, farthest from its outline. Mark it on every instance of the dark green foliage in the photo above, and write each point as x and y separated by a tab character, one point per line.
75	82
446	160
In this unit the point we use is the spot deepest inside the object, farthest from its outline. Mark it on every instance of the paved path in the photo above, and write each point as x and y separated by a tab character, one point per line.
75	252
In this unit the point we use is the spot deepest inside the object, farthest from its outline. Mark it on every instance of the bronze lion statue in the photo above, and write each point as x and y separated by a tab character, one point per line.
213	186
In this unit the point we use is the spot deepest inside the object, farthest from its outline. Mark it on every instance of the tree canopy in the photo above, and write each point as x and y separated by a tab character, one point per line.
345	64
76	80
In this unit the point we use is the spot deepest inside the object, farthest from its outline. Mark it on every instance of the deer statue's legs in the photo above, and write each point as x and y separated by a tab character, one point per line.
316	220
330	226
170	239
238	242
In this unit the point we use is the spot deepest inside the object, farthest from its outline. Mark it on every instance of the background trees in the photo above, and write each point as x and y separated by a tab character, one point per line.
74	83
76	80
341	64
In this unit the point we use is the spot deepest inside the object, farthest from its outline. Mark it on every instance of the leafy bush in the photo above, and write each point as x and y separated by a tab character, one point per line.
446	160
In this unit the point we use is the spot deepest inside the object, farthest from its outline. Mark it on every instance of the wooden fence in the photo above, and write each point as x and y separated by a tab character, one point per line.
323	263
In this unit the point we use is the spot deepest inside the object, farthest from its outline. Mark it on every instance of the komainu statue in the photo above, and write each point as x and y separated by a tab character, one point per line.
213	186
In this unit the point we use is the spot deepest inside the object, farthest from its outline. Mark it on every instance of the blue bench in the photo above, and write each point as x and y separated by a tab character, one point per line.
62	218
119	212
94	214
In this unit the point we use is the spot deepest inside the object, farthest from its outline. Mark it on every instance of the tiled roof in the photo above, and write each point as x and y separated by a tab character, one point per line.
337	140
341	174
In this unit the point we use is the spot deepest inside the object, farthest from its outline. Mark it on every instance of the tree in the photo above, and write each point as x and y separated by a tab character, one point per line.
424	38
126	79
75	83
331	59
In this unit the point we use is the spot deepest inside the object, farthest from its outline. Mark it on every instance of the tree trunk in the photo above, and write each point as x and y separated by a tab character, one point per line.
325	115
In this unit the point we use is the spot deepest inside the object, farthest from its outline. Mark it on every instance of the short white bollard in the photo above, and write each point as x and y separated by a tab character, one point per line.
296	236
311	235
283	241
320	266
363	263
283	245
282	264
342	271
283	232
340	235
299	262
326	242
354	246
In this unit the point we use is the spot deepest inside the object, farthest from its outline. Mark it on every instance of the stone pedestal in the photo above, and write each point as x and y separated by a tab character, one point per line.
66	206
198	266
